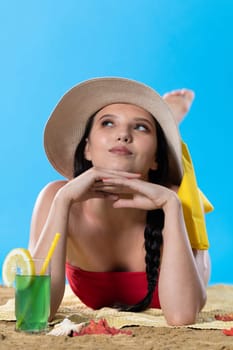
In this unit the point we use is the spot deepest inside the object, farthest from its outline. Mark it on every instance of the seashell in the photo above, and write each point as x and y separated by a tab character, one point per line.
66	327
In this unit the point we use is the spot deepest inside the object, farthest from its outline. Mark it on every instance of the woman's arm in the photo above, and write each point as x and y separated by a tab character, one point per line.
181	283
50	215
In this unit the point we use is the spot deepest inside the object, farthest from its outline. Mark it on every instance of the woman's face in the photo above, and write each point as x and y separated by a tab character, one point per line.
123	137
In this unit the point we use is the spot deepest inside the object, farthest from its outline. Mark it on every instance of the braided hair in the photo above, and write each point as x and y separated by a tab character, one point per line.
155	218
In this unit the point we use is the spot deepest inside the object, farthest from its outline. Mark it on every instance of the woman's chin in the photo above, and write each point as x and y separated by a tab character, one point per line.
120	167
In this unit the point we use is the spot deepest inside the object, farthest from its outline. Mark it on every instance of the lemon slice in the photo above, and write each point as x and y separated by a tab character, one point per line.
17	260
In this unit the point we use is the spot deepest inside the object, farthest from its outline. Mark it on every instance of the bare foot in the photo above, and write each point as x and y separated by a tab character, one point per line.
180	102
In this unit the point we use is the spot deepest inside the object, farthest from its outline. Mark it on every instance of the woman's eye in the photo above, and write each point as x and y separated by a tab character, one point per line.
107	123
141	127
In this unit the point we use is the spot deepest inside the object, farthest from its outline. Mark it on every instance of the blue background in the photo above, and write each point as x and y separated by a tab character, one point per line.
49	46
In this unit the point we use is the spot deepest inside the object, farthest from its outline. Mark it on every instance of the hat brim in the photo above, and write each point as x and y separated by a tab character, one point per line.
65	127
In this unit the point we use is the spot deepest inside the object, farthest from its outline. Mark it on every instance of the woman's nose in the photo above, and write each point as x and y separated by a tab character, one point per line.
124	137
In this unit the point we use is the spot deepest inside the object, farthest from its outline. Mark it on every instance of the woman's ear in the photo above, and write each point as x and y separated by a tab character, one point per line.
87	154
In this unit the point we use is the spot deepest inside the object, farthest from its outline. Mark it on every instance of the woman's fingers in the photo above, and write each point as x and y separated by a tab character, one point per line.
112	188
142	194
81	188
101	193
114	182
126	185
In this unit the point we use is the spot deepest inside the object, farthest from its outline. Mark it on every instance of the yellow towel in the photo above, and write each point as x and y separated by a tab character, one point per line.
194	204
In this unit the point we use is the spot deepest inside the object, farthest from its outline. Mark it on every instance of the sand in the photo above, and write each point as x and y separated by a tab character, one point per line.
143	338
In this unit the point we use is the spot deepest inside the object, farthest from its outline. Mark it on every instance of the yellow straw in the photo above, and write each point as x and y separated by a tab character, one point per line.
50	253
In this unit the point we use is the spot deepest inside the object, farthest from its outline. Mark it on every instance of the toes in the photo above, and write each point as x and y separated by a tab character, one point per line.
188	94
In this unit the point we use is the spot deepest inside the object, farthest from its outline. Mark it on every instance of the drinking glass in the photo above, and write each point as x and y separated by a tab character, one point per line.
32	298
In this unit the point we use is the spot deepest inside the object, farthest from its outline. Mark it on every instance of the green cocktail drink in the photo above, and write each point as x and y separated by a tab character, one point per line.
32	280
32	302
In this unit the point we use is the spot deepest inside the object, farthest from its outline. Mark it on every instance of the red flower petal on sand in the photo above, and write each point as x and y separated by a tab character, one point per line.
228	331
225	317
100	327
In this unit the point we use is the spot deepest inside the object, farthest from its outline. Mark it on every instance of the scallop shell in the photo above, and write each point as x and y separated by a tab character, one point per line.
66	327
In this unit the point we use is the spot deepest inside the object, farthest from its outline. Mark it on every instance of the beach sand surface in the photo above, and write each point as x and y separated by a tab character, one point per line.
143	338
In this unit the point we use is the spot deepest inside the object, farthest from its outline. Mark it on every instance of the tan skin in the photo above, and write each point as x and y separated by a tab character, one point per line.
104	210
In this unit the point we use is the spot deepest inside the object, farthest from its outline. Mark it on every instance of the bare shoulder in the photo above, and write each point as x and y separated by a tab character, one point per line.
48	193
44	202
54	186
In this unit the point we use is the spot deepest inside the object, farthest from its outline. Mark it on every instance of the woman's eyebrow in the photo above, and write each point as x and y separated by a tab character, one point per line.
107	115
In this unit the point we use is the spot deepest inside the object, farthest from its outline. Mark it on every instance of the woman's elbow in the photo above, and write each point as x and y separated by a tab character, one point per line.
181	319
186	316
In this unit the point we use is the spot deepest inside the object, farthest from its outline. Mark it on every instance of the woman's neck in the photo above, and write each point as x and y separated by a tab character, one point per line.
102	211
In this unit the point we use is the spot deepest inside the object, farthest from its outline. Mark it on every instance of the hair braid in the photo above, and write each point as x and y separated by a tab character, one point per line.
153	242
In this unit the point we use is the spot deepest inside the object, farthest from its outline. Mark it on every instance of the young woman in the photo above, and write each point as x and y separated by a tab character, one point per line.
124	241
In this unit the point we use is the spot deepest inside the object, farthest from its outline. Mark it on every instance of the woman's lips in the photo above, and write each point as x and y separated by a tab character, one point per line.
121	150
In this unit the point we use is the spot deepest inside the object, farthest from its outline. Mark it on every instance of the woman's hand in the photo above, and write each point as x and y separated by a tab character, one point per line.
136	193
85	186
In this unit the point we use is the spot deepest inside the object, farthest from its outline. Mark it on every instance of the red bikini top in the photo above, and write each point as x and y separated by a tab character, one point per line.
105	289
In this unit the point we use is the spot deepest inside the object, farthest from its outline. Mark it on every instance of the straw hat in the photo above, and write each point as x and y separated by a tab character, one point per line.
65	127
